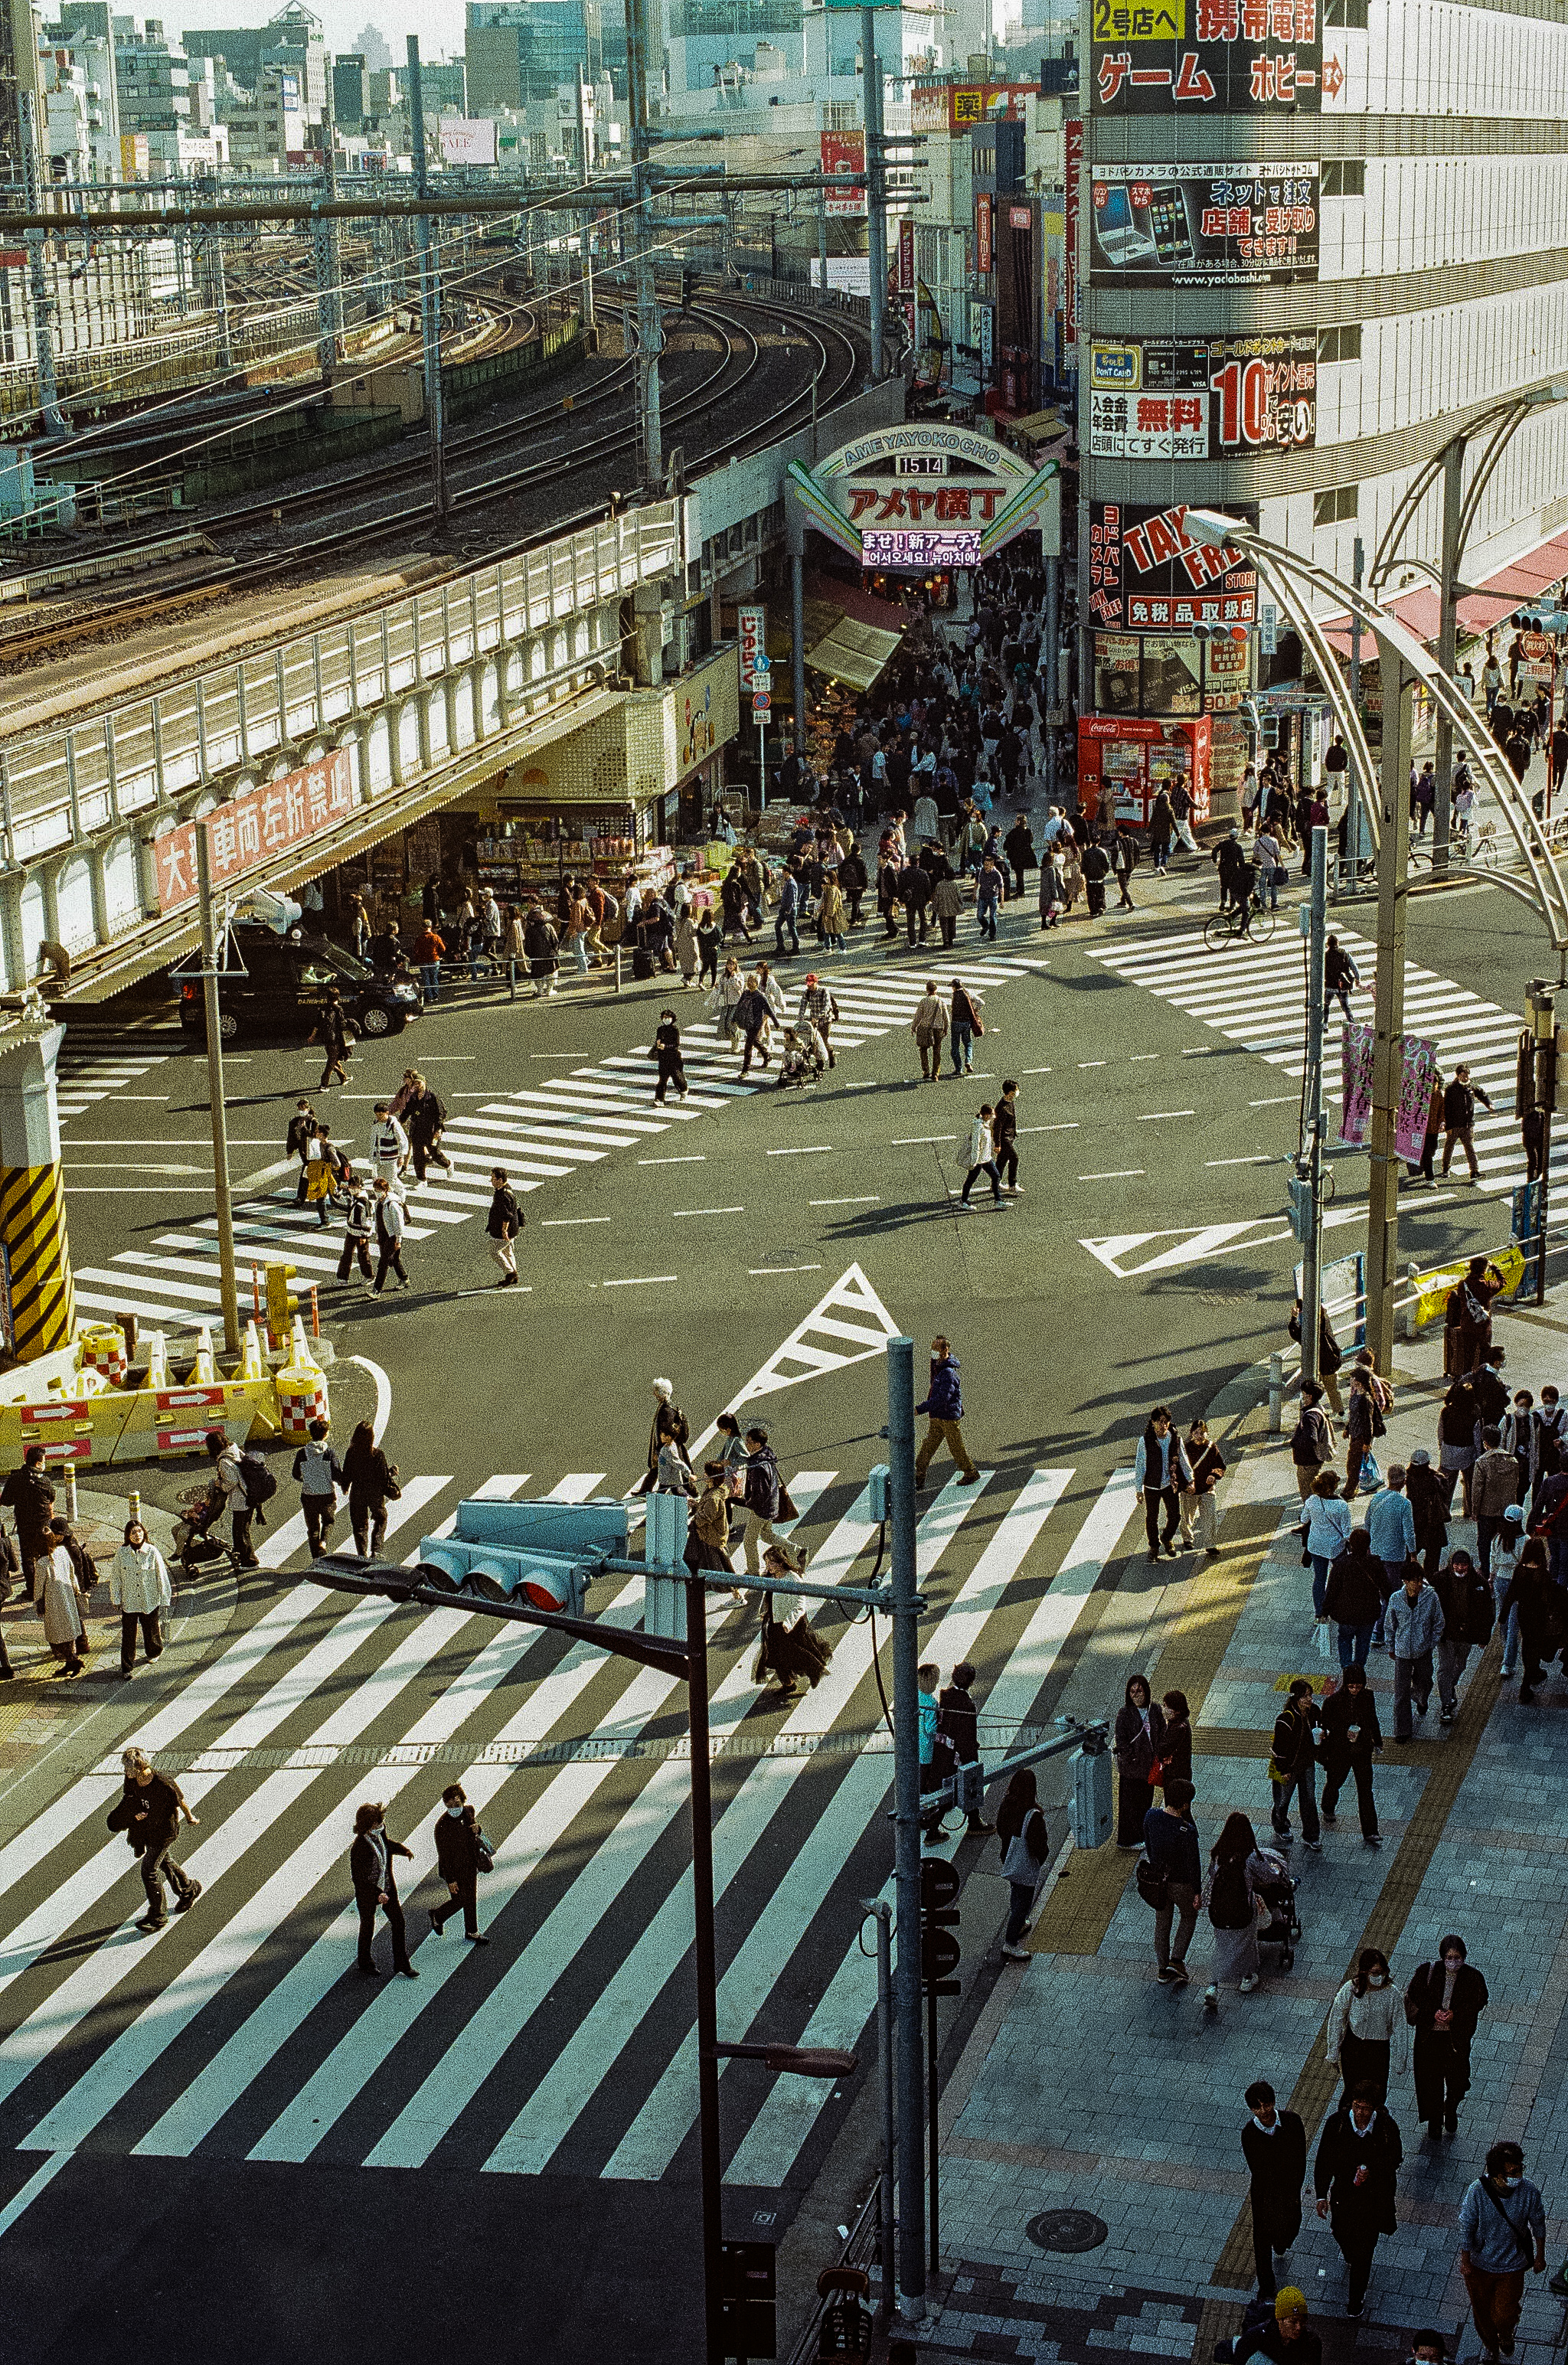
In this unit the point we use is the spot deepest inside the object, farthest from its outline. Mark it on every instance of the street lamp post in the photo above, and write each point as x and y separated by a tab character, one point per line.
222	1200
1388	1042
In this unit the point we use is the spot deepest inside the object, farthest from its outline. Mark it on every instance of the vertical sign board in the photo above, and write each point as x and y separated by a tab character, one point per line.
906	258
751	626
984	258
1074	133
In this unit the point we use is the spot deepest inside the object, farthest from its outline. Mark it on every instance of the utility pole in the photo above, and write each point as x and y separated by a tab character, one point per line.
38	290
1053	667
1313	1114
213	1016
429	292
822	241
909	2061
1448	645
218	287
1388	1050
650	328
329	288
1356	788
876	184
585	227
1539	1079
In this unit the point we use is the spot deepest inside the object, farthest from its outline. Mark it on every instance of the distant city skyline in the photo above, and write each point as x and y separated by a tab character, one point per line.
440	23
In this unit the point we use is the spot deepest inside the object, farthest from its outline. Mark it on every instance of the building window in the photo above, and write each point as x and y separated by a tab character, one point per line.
1347	178
1334	508
1342	344
1350	14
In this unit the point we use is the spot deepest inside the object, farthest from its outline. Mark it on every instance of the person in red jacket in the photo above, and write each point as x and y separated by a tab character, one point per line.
429	950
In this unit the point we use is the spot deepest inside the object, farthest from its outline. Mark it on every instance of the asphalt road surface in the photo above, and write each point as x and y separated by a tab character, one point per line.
531	2106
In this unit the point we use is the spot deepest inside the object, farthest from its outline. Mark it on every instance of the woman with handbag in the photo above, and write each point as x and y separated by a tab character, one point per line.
708	1538
372	1481
1368	2036
1025	1840
1139	1729
1238	1869
462	1853
325	1167
1327	1534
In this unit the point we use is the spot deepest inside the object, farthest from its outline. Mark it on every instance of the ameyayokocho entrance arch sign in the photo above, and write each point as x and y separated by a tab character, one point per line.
928	496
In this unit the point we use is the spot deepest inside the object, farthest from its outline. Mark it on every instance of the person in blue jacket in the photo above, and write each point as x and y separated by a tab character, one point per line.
943	1406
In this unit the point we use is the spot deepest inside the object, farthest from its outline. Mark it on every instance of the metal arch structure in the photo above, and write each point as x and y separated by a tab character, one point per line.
1291	576
1501	424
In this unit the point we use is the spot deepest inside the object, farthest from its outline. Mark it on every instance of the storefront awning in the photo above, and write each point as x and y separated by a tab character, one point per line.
853	653
1514	585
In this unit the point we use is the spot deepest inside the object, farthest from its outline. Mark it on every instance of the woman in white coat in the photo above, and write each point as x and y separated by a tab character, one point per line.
139	1589
61	1597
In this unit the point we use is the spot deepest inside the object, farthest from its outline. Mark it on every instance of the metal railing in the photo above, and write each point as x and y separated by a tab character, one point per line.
59	787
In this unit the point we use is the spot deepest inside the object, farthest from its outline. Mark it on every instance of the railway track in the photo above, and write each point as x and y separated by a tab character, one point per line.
836	367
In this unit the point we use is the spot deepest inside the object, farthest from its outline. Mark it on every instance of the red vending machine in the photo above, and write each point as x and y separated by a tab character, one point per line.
1122	764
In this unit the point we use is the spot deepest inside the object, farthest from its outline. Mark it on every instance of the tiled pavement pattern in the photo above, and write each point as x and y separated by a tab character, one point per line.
1088	2086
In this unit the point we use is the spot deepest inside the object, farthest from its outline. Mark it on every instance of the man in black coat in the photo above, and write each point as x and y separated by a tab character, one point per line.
1443	2003
1349	1734
457	1861
149	1812
28	1495
1358	2165
915	893
1273	2142
376	1885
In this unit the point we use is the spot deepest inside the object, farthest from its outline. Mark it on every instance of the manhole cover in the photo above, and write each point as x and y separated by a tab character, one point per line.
1066	2229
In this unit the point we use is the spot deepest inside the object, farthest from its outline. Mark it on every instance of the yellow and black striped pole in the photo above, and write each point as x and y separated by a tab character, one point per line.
41	1308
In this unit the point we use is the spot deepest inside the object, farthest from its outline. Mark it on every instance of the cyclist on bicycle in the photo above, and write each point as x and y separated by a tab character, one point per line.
1235	872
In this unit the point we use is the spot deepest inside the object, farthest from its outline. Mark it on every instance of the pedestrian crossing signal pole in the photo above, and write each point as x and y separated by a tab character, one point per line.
1388	1048
910	2065
1312	1113
222	1201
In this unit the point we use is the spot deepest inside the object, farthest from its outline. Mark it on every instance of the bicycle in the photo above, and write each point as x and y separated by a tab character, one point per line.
1255	921
1478	848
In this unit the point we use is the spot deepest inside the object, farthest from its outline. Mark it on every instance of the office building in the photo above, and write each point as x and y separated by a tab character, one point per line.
349	98
152	90
520	50
292	42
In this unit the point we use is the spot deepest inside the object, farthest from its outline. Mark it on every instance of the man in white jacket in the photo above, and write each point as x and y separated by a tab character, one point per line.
140	1591
982	1159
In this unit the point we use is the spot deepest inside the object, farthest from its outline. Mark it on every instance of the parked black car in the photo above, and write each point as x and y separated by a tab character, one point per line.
283	986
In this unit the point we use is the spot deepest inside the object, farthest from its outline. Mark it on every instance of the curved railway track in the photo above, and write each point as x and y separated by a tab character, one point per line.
836	368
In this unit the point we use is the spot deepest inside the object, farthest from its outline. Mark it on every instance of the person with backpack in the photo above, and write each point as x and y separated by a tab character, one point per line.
1349	1736
1363	1422
426	1113
1353	1599
29	1498
1291	1766
1170	1848
1276	2328
1312	1441
1502	2237
247	1484
1273	2145
359	1227
296	1143
1443	2004
1237	1870
1341	977
1024	1838
958	1721
326	1169
1330	1355
502	1225
372	1483
389	1228
1539	1605
319	1475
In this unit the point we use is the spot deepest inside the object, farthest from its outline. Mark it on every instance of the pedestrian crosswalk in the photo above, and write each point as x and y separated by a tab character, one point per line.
541	1133
1255	995
242	2031
97	1060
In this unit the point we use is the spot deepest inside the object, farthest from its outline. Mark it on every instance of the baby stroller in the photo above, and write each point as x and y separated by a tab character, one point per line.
802	1060
202	1551
1283	1926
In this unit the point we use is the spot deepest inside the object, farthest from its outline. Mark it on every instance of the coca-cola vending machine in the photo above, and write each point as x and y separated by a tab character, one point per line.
1123	763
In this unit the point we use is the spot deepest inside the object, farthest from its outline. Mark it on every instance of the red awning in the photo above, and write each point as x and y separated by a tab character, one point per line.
1514	585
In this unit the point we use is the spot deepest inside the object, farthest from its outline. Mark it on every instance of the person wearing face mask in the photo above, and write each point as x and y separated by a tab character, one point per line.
1367	2035
1355	2180
461	1855
1429	2349
1273	2144
1280	2332
375	1887
1502	2236
1442	2004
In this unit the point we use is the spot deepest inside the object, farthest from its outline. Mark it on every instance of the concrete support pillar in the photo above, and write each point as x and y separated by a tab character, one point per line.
32	1201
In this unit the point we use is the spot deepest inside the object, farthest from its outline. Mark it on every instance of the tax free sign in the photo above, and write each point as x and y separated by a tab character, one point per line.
902	493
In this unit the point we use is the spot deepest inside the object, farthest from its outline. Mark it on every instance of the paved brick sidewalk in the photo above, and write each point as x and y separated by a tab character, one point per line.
1087	2086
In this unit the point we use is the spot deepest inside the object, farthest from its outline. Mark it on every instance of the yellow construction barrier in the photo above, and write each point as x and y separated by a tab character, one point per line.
1436	1288
88	1414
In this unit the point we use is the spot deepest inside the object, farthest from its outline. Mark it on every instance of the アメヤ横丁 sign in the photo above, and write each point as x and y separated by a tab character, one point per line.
928	494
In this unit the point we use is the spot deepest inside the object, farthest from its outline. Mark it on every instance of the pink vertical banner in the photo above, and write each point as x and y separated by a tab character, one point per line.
1421	1064
1355	1111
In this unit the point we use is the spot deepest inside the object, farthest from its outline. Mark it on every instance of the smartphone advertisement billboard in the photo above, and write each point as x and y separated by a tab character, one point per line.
1204	225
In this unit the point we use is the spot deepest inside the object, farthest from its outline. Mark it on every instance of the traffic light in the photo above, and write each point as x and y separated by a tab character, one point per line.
688	288
972	1787
282	1305
938	1913
1298	1190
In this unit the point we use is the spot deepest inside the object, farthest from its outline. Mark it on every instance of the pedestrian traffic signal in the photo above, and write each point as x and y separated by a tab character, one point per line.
938	1913
1298	1191
972	1787
282	1305
688	289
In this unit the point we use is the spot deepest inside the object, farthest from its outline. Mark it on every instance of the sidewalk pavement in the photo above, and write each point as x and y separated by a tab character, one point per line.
1087	2087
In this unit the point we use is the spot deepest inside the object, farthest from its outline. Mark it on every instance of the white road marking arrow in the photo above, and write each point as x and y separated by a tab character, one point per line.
848	1325
1190	1245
